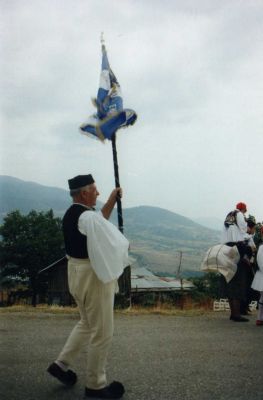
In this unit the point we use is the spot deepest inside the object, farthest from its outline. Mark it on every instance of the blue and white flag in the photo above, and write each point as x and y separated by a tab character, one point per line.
110	115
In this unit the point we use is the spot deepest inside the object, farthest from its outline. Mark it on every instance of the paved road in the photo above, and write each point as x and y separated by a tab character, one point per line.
204	357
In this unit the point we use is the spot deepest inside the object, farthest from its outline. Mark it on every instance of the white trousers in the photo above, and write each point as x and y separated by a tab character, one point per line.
93	333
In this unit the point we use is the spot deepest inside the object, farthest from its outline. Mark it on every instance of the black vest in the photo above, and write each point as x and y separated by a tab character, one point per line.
75	242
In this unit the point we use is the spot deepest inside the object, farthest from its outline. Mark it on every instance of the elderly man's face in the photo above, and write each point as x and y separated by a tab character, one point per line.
90	196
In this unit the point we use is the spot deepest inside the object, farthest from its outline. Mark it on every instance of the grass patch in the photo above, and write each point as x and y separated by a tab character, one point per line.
163	309
41	308
160	309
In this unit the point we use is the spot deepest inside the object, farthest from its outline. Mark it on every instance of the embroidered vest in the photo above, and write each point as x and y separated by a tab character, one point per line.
231	218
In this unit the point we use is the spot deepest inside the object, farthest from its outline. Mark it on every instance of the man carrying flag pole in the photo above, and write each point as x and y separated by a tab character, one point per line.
97	253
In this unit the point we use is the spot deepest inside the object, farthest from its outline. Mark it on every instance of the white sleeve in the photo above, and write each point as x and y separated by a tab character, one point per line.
107	246
241	223
260	257
84	219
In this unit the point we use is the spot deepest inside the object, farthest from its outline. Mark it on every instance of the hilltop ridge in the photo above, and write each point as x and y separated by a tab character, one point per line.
157	236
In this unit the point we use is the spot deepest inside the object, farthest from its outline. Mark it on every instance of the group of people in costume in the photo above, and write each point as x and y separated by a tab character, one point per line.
247	235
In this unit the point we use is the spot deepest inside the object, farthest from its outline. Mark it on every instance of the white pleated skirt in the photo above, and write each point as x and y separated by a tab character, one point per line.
257	283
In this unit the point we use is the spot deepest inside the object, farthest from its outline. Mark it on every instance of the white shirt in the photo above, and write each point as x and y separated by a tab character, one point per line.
237	232
107	246
257	283
260	258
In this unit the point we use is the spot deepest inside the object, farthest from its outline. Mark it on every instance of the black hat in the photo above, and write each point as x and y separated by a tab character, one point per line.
80	181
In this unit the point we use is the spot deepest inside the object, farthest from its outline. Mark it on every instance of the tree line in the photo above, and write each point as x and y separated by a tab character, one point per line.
28	244
31	242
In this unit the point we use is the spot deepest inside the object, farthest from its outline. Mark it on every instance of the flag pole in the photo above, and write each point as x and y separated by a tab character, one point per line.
124	280
117	181
115	164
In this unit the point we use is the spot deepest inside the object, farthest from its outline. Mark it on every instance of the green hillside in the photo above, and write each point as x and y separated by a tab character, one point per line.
25	196
157	236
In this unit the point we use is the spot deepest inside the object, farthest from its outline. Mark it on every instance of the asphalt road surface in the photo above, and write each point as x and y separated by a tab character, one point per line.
156	357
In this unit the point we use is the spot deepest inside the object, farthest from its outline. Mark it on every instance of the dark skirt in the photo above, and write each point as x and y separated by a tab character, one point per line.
237	287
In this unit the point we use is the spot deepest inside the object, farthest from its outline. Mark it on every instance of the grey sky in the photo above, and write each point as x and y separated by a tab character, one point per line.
192	70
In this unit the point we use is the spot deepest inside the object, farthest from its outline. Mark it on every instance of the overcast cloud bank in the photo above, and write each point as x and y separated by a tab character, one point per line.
193	71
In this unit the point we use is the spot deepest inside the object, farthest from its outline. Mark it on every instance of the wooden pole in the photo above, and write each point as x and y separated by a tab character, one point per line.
125	278
117	181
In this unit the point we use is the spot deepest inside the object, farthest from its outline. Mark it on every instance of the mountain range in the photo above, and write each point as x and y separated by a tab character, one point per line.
160	239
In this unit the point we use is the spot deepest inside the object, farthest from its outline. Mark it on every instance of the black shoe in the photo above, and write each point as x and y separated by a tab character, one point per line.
113	391
68	377
239	319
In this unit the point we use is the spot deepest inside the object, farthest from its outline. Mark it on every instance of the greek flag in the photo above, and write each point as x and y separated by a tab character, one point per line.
110	114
